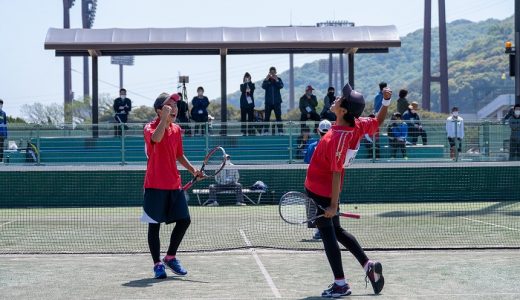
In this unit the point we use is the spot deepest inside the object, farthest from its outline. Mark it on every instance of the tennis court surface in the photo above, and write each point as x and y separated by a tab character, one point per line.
74	232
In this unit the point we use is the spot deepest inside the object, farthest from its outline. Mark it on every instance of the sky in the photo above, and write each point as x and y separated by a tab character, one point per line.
30	74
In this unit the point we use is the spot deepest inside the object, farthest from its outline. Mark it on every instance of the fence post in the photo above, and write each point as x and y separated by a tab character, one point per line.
290	143
123	149
206	137
374	148
38	161
456	141
485	132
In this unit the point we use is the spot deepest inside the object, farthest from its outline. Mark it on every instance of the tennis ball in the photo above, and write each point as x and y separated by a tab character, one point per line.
355	207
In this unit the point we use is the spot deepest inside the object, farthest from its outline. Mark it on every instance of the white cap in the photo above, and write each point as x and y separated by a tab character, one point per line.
324	126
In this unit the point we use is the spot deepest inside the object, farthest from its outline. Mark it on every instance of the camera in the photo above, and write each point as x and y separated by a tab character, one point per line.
184	79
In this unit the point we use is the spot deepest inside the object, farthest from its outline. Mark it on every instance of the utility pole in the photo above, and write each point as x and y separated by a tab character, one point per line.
88	13
517	52
443	57
67	78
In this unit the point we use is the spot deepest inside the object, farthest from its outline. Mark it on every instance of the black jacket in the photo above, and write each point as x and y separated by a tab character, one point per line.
243	97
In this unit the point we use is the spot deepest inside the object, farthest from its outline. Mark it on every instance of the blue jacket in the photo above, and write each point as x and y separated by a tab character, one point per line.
272	91
243	96
411	119
310	151
200	106
378	102
3	124
398	130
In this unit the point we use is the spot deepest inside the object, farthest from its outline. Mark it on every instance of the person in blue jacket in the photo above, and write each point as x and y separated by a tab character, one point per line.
272	85
397	133
199	110
378	99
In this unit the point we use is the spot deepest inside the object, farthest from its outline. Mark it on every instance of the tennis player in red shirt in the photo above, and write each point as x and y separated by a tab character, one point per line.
336	151
164	200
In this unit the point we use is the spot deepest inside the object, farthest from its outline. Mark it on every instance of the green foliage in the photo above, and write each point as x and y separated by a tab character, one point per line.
13	120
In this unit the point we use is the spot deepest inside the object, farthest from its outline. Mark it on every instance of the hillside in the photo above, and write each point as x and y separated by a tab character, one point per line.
476	63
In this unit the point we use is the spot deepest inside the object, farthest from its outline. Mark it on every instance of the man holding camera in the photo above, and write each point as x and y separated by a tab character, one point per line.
273	99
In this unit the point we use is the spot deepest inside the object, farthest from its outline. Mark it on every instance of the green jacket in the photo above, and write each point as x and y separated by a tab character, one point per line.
309	103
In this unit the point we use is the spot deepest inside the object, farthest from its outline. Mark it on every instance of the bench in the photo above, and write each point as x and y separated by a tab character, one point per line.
257	194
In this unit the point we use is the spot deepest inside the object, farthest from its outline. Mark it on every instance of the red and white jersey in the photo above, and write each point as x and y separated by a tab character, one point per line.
161	168
336	151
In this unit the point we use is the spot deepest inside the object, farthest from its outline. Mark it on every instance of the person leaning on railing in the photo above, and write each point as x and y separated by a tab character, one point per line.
122	107
514	142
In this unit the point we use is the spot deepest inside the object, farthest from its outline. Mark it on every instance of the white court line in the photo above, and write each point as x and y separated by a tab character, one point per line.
267	277
6	223
496	225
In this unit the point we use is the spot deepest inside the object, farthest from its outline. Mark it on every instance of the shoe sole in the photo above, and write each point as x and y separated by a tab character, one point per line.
176	273
338	295
162	277
378	268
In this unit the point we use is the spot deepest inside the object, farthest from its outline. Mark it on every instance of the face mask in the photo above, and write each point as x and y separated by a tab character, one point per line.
309	93
123	97
413	111
200	94
517	112
331	95
455	113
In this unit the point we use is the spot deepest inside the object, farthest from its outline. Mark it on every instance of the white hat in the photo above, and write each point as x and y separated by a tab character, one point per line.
324	126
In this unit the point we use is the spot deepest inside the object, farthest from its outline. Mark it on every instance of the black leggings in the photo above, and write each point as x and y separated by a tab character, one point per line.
175	240
332	233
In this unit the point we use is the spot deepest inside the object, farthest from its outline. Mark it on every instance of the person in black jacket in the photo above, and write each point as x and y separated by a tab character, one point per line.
247	104
183	116
273	99
122	107
308	103
199	111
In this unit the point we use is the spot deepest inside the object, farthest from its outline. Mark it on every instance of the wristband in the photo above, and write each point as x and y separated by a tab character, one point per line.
387	102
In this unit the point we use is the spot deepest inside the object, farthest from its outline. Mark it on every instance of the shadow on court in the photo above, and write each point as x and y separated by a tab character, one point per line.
261	274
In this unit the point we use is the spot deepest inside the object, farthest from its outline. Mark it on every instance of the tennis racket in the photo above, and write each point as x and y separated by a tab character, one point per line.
213	163
298	208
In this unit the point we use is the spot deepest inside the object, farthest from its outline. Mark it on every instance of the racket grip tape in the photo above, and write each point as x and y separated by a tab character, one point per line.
350	215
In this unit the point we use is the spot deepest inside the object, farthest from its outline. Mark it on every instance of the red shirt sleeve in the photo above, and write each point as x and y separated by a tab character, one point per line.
368	126
337	152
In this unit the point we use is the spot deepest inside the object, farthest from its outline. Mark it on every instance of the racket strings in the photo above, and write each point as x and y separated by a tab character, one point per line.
295	208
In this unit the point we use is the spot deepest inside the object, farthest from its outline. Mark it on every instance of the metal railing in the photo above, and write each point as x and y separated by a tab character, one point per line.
248	143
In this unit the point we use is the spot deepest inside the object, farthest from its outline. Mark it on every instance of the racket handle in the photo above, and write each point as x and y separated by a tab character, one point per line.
187	186
350	215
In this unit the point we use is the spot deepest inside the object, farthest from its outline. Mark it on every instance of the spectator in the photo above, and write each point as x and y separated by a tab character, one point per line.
372	142
455	131
259	117
199	110
514	141
402	102
326	114
273	99
378	100
122	107
183	116
415	128
247	104
308	103
397	133
227	180
323	128
3	129
302	142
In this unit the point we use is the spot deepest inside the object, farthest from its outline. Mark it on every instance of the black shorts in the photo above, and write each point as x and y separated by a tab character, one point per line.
164	206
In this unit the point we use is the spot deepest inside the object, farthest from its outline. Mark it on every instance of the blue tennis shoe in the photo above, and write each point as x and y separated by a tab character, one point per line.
159	271
175	266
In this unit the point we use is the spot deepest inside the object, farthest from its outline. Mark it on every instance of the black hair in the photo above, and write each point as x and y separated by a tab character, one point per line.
403	93
455	108
200	89
516	106
331	88
350	119
247	75
159	102
1	101
382	85
122	90
272	68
